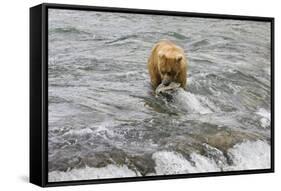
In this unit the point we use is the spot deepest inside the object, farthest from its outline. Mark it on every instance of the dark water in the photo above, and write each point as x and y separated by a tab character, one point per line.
105	121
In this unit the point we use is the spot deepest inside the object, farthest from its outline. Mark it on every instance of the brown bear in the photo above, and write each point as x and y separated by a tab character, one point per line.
166	64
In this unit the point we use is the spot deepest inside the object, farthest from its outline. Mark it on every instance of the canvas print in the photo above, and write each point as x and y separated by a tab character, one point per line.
139	95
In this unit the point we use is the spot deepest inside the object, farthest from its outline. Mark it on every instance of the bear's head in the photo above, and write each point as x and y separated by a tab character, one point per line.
169	66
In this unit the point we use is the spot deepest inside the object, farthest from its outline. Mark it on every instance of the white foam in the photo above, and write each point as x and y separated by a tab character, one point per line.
110	171
83	131
192	102
250	155
168	162
171	163
204	164
104	130
245	156
265	117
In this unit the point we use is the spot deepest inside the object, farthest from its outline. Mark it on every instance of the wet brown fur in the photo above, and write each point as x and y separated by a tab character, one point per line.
167	62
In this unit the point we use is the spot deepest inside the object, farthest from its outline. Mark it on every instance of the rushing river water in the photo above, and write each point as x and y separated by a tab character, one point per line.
106	122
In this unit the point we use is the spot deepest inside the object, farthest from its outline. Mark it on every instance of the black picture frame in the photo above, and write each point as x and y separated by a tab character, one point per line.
39	93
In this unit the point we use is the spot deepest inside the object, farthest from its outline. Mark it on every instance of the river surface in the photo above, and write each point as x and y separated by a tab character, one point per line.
106	122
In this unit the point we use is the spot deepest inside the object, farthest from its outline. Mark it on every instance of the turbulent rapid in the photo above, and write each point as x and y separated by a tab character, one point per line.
105	120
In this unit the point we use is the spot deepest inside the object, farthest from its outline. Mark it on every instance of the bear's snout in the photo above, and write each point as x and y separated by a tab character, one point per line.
166	82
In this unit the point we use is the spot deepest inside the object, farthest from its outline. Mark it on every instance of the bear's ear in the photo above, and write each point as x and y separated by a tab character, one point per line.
179	58
161	55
